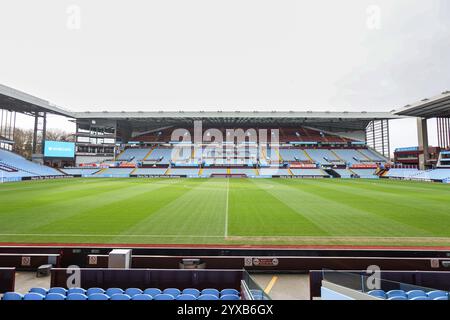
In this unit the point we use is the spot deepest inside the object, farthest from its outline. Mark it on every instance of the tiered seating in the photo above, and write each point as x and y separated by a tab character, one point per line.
274	172
374	156
161	155
403	173
247	172
81	171
293	155
366	173
409	295
115	173
350	156
183	171
23	167
58	293
344	173
309	172
134	154
207	172
437	174
150	171
322	156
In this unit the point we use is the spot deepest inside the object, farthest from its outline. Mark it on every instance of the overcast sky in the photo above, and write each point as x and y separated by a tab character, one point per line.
208	55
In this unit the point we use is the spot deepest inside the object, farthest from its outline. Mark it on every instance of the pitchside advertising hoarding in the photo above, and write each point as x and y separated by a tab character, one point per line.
57	149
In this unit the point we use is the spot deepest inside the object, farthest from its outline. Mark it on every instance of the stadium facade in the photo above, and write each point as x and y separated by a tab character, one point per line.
224	143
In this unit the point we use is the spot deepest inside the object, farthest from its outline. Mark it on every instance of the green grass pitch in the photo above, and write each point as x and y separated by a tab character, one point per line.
226	211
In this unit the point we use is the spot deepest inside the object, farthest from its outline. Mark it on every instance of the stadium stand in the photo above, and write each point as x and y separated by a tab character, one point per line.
366	173
350	156
114	173
149	171
134	154
309	172
183	172
344	173
323	156
15	166
81	294
84	172
293	155
402	173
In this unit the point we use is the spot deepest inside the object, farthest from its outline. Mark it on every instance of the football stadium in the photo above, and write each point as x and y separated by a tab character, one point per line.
253	193
224	156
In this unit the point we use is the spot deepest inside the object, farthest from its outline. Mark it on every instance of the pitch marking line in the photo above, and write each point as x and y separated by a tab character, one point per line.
105	235
271	284
226	208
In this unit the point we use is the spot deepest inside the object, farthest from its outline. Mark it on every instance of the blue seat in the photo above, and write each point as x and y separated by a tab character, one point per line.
396	293
10	296
186	296
112	291
33	296
172	291
77	296
141	297
213	292
120	296
76	290
133	291
94	290
39	290
437	294
53	296
59	290
163	296
420	298
98	297
377	293
228	292
208	297
230	297
415	293
398	298
192	291
440	298
152	291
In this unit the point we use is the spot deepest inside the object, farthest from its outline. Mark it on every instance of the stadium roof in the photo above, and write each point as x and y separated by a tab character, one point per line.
325	120
18	101
438	106
15	100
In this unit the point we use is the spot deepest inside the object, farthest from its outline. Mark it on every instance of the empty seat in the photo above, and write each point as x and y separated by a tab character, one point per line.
377	293
420	298
230	297
94	290
33	296
229	291
112	291
39	290
77	296
398	298
152	291
396	293
213	292
437	294
59	290
133	291
76	290
10	296
172	291
208	297
186	297
98	297
440	298
163	296
194	292
415	293
120	296
53	296
141	297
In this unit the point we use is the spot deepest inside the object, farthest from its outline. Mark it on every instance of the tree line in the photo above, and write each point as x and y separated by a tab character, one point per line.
23	140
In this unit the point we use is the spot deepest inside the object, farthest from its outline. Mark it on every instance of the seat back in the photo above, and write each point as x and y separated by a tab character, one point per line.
77	296
163	296
208	297
52	296
10	296
186	296
98	297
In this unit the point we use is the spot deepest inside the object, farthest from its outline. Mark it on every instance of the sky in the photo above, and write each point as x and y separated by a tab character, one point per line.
320	55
